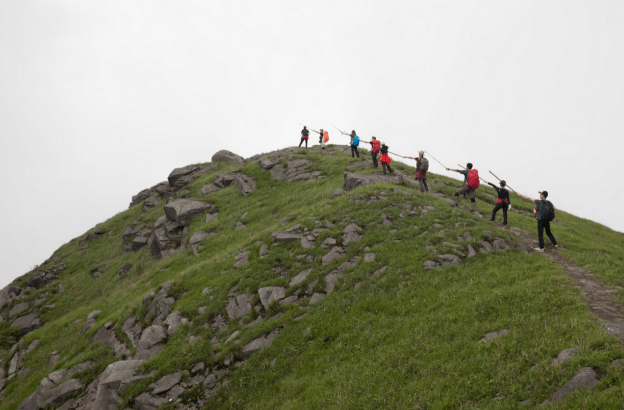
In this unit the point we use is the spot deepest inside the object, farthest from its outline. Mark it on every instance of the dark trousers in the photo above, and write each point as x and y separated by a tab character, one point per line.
375	163
541	226
303	139
423	185
502	206
384	165
354	150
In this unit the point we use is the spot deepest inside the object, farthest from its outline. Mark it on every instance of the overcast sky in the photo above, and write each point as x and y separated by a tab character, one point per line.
101	99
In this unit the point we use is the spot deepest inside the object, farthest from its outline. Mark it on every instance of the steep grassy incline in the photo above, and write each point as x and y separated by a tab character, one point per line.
369	329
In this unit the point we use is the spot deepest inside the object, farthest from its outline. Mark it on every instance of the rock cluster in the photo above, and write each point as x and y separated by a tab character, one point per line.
460	252
244	183
295	170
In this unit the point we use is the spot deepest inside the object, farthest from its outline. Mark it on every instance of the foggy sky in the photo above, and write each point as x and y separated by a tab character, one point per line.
101	99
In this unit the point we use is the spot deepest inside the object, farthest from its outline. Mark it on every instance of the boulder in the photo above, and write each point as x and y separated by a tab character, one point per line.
151	336
19	308
584	378
267	163
270	294
197	237
138	243
238	307
167	382
331	279
158	308
352	181
259	343
145	401
335	253
350	233
174	321
182	211
27	323
108	337
245	184
449	259
500	245
431	265
494	335
227	156
301	276
210	188
286	237
125	268
140	197
150	203
180	172
132	329
563	356
317	297
116	378
39	279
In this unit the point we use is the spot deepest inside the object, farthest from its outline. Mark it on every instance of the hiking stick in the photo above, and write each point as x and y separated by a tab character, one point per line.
343	133
396	154
436	160
479	177
500	180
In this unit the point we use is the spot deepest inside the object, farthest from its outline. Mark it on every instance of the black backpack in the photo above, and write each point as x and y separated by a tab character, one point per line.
548	211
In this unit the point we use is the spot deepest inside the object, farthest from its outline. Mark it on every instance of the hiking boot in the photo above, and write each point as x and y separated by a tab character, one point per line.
539	250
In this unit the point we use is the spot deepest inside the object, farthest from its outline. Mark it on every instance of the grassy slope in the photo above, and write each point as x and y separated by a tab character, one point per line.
403	339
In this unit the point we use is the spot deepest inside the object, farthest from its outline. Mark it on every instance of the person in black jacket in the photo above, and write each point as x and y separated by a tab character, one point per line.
502	202
305	134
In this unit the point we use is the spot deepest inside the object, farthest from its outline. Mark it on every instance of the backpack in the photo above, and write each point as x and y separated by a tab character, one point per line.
376	146
326	136
473	179
356	140
305	133
548	211
424	164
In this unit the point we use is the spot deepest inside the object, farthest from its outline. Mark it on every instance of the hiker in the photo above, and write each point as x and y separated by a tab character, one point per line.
471	184
305	134
375	146
323	137
385	159
544	213
502	202
355	142
422	166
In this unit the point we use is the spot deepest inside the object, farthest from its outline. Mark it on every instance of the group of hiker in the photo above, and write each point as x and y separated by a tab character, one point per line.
544	211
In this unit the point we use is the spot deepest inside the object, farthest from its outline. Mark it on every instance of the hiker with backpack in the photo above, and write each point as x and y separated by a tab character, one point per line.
502	202
355	142
385	158
544	212
375	147
305	134
471	184
422	166
323	137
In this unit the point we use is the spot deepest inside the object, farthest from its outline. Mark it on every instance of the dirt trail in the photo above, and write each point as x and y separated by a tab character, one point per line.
597	297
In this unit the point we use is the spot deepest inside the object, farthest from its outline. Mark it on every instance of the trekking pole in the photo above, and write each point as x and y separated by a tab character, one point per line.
436	160
343	133
500	180
396	154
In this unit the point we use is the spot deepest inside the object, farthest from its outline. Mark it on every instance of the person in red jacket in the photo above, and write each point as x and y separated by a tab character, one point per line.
375	148
385	158
465	189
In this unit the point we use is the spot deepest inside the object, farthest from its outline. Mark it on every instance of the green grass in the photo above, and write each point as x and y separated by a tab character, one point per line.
408	338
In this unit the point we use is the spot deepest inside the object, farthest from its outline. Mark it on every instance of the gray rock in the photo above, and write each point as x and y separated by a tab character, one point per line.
242	258
267	163
328	242
158	308
232	336
563	356
197	237
335	253
239	226
286	237
227	156
259	343
138	243
337	192
245	184
167	382
212	215
500	245
494	335
140	197
198	367
210	189
486	246
352	181
145	401
264	251
288	300
19	308
27	323
178	173
431	265
174	321
132	329
584	378
357	165
182	211
108	337
471	252
150	337
270	294
150	203
369	257
238	307
449	259
125	268
301	276
330	280
316	298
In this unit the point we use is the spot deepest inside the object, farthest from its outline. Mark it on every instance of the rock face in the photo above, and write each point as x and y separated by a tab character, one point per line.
227	156
40	279
115	380
295	170
271	294
27	323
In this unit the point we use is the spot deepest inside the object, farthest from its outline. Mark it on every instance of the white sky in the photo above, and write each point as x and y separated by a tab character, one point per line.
100	99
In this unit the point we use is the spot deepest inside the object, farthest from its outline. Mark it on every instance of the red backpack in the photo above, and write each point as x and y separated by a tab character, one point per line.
473	179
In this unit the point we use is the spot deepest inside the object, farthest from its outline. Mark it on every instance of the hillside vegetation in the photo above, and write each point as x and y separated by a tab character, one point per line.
274	294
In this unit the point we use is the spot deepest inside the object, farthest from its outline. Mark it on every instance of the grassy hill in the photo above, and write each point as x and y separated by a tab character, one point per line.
382	332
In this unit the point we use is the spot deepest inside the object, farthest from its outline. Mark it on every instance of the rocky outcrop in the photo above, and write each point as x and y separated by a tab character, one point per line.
271	294
27	323
182	211
244	183
352	181
227	156
238	307
584	378
295	171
